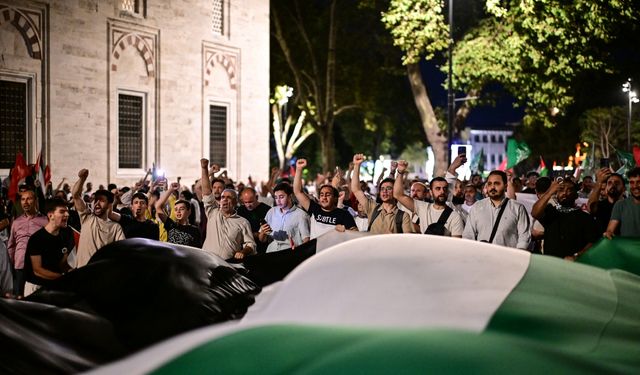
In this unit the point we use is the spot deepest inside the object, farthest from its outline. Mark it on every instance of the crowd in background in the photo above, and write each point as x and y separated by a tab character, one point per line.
47	232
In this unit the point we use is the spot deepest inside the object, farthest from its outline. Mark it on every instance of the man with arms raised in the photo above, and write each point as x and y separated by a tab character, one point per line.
325	215
614	189
385	217
49	247
430	214
512	227
568	231
180	231
286	226
228	234
96	228
626	212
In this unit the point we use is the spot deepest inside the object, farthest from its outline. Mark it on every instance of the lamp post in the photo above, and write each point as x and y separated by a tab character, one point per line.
633	98
450	97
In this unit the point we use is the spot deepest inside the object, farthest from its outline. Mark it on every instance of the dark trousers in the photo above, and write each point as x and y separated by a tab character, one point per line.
18	282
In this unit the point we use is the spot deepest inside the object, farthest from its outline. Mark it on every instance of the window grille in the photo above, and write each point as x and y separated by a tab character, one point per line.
218	17
130	125
13	122
218	135
135	7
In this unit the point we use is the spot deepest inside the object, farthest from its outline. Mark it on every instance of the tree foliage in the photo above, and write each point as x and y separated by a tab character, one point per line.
606	129
536	49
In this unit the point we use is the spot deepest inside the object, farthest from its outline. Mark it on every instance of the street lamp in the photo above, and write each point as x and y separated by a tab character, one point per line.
633	98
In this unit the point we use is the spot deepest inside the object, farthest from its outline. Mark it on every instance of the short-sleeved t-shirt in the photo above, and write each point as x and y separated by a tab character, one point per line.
139	229
386	222
188	235
566	233
324	221
428	214
51	250
628	214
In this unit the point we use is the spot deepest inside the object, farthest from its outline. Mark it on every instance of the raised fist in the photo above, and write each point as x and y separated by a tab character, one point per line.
358	159
83	173
301	163
402	165
174	186
204	163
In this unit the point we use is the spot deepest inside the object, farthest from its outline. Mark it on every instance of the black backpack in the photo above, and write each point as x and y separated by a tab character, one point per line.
399	215
437	228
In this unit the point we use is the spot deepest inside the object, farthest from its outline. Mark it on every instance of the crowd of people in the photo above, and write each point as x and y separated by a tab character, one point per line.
47	234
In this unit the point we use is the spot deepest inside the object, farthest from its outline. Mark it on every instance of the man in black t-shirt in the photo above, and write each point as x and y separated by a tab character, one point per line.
568	231
254	211
325	215
48	248
614	188
137	226
180	232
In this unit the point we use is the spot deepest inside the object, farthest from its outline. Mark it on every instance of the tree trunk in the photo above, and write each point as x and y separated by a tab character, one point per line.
328	155
437	139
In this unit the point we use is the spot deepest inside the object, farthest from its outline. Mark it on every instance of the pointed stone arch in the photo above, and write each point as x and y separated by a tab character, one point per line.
228	63
26	26
141	45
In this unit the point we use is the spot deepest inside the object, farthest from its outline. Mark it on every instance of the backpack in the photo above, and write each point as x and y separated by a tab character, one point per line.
399	215
437	228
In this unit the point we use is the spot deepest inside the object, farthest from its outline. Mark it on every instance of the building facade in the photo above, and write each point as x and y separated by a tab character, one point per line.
493	142
116	86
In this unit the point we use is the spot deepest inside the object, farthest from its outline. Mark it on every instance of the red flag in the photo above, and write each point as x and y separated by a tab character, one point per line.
636	154
47	174
20	170
503	165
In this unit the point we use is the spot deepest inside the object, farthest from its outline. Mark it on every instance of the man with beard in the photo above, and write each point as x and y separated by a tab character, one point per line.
530	188
626	212
138	225
286	226
568	231
49	247
470	197
385	217
614	188
325	215
420	191
512	228
180	231
587	186
430	213
23	227
228	234
96	228
254	211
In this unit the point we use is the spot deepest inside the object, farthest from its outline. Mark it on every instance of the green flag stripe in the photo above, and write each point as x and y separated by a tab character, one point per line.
560	318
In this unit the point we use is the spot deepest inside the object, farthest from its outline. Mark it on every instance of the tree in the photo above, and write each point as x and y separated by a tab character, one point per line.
315	82
606	128
536	49
287	139
371	111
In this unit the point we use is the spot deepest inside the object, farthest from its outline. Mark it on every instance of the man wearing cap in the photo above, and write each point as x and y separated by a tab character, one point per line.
97	229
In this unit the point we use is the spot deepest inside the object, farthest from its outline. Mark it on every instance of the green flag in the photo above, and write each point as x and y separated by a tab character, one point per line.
627	162
516	152
476	162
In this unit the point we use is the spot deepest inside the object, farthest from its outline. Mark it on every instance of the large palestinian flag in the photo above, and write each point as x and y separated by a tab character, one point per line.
421	304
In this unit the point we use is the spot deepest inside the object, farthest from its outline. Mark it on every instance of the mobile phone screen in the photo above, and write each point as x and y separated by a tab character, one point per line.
462	150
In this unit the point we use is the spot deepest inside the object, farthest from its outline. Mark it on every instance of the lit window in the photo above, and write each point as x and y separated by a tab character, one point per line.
218	135
13	122
130	130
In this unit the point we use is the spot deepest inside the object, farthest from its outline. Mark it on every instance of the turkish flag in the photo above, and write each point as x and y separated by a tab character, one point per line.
20	170
636	154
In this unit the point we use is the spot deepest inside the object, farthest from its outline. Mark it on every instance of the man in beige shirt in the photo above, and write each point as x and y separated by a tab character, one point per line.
97	230
228	234
384	217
